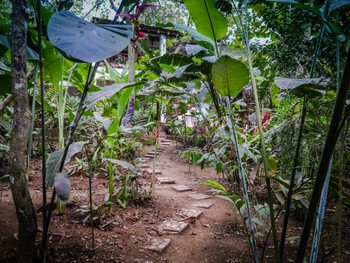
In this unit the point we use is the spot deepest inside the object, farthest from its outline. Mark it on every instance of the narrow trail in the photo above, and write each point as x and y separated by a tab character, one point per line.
182	222
198	227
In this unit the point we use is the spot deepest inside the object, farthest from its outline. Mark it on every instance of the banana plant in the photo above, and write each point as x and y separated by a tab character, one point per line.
227	76
82	41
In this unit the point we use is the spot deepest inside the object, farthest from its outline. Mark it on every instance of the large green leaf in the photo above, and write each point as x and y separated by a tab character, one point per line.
105	93
311	87
54	65
55	158
84	41
229	76
208	20
123	164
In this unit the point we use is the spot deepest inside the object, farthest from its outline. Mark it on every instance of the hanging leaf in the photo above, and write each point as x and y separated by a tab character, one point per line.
208	20
54	64
105	93
229	76
123	164
62	187
311	87
289	83
84	41
54	161
311	90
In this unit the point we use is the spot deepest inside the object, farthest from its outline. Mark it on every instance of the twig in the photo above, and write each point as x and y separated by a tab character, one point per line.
5	103
108	223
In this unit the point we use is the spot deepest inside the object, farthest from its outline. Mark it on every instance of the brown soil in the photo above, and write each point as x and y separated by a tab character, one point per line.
123	236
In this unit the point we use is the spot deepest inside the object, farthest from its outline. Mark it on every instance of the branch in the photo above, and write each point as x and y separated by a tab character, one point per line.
5	103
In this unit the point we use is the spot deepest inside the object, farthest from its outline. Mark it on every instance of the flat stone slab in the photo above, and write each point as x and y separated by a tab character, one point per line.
166	180
181	188
189	213
199	196
148	155
159	245
152	153
206	205
173	227
150	171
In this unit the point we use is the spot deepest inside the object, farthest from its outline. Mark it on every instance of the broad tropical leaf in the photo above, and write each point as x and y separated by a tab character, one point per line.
54	64
300	87
84	41
209	21
123	164
54	161
229	76
105	93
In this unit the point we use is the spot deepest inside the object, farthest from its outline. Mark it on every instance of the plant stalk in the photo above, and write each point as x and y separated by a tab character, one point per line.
300	135
250	226
325	159
74	125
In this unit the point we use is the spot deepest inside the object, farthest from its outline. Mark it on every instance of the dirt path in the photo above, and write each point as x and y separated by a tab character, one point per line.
204	234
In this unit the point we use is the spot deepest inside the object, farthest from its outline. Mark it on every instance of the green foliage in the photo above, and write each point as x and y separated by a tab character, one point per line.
55	159
208	20
229	76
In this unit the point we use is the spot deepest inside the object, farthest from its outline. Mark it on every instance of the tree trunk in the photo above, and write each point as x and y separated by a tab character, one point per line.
27	225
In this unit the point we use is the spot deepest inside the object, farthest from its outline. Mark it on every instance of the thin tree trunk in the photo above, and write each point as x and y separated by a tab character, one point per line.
27	225
131	104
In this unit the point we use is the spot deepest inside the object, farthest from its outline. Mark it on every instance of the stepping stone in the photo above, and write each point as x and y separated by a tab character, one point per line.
159	245
173	227
182	188
150	171
144	170
199	196
166	180
206	205
186	213
148	155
